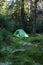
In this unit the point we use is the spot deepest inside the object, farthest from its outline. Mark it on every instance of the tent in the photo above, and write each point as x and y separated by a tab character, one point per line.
20	33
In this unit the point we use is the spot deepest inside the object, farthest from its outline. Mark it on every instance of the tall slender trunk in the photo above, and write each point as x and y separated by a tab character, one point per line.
35	16
23	16
31	5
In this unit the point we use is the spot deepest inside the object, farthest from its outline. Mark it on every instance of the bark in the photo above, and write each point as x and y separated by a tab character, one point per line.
35	16
23	16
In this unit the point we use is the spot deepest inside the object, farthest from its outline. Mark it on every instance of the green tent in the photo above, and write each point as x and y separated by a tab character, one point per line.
20	33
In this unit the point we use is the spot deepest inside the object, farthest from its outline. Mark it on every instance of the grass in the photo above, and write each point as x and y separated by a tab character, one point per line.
32	39
33	52
31	55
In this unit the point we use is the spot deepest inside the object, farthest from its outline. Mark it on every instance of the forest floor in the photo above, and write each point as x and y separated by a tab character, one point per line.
23	51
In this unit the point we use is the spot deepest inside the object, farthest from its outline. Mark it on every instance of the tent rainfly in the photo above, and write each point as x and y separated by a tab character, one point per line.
20	33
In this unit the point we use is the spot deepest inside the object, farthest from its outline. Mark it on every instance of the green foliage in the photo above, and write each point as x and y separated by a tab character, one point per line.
4	36
10	49
40	23
31	55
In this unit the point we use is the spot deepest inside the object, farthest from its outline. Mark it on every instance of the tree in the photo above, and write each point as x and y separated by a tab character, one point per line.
35	16
23	16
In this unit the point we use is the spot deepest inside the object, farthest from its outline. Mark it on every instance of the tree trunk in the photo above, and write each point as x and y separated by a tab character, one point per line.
23	16
35	16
